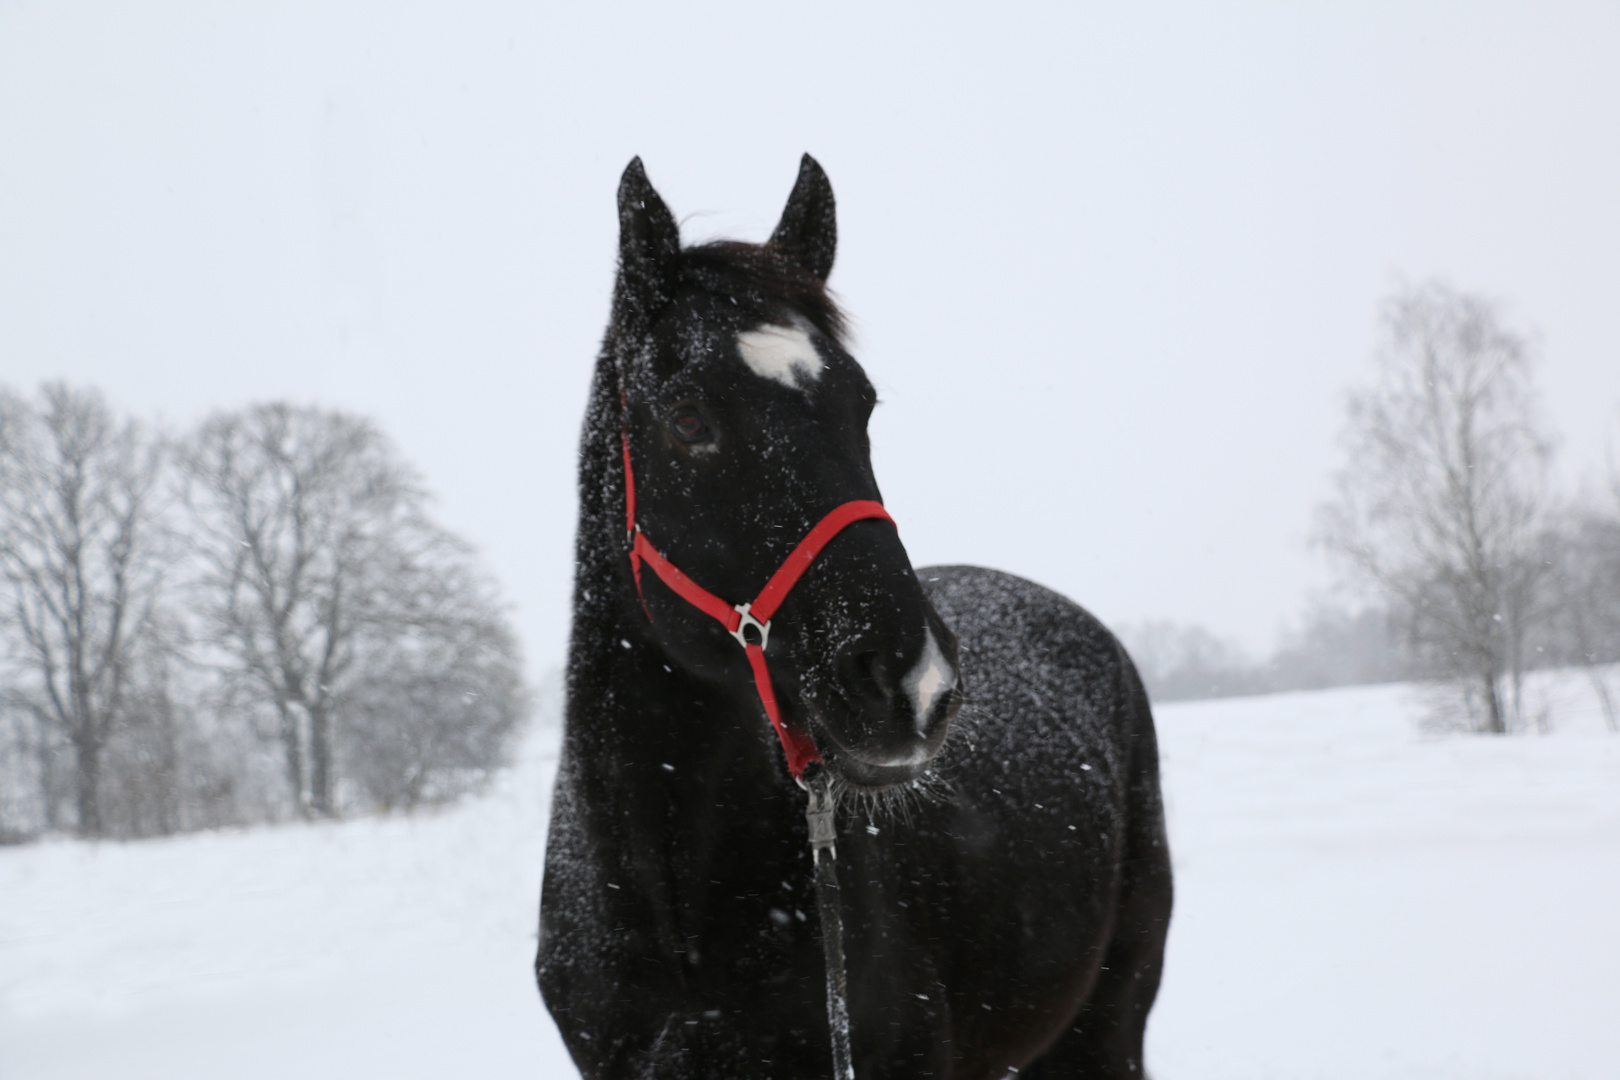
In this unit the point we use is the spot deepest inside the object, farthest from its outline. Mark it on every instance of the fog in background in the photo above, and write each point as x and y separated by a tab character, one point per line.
1110	270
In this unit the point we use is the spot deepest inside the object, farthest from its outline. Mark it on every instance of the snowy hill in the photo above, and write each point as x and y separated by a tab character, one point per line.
1355	899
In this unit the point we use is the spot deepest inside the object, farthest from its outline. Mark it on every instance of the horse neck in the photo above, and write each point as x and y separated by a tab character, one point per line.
671	777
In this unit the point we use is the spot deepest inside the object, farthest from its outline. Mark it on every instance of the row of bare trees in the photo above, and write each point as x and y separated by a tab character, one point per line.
256	621
1447	517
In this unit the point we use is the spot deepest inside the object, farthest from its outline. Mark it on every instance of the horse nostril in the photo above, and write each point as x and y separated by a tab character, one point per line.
869	675
890	714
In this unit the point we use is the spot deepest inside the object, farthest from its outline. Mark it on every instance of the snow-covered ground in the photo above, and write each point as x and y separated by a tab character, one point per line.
1355	900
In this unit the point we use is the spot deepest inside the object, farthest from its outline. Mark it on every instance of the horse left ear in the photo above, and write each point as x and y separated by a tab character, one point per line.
649	245
808	231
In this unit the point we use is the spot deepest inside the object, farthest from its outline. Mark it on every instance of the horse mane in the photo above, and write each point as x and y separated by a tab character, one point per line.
763	275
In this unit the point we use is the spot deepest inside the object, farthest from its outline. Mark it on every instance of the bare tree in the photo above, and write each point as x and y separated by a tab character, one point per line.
1441	509
81	567
321	572
430	709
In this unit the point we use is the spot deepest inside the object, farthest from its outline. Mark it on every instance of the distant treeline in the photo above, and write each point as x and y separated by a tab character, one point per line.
1470	566
1334	647
253	621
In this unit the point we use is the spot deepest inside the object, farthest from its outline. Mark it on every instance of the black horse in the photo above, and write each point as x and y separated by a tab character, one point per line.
1006	884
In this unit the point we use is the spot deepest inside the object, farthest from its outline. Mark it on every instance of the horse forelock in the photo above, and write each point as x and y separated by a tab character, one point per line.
729	287
765	281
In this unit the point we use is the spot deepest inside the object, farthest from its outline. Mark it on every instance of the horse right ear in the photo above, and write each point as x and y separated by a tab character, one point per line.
808	231
649	245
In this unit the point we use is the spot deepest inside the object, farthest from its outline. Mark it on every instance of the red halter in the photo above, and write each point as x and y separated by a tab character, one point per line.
797	745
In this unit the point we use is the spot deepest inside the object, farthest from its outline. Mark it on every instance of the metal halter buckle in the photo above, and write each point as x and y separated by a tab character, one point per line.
745	622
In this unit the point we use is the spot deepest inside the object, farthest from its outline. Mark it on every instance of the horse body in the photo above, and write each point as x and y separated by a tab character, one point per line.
1006	886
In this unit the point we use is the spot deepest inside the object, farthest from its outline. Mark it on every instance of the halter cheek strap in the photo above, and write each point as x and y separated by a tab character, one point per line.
739	619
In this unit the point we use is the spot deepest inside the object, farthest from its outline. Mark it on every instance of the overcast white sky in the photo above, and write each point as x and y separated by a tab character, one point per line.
1111	268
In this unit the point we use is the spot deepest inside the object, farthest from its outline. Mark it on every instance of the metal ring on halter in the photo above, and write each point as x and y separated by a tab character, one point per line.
745	622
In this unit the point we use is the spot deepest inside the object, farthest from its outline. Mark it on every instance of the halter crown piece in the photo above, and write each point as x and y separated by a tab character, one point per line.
738	619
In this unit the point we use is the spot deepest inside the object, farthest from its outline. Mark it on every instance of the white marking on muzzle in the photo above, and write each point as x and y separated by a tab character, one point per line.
929	679
783	353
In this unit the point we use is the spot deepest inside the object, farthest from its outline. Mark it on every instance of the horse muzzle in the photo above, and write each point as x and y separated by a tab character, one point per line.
889	710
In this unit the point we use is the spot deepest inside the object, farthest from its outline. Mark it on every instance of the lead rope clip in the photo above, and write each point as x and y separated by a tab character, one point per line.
818	813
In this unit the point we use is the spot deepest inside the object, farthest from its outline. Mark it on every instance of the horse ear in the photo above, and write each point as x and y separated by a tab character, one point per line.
808	231
649	244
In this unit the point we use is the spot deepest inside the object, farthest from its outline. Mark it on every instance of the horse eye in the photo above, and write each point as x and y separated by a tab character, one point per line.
690	427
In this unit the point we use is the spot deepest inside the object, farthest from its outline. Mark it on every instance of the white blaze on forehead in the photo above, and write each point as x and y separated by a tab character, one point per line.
783	353
929	679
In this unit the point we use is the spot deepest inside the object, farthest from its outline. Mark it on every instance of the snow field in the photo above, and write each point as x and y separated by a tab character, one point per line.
397	946
1357	900
1354	899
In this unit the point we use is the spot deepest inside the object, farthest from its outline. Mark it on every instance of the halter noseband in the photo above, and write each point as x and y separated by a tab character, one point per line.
738	619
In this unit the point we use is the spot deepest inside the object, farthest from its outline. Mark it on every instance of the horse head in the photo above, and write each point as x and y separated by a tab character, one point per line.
745	417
